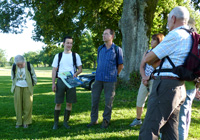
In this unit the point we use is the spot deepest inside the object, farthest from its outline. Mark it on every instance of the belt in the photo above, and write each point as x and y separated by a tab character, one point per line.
164	77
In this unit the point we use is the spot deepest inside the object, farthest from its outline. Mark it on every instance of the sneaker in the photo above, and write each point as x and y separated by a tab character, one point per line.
105	124
25	125
92	124
17	126
136	122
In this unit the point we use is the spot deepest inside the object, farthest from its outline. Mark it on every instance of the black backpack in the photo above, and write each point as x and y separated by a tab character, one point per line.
28	67
116	51
74	62
190	70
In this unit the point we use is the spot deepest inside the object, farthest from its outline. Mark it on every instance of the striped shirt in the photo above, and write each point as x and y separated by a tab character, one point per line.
107	63
176	45
148	68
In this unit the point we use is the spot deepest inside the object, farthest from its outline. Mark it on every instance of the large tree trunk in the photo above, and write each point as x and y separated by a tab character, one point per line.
135	24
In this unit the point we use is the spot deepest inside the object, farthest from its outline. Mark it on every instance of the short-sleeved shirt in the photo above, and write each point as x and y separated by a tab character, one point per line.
176	45
66	62
107	63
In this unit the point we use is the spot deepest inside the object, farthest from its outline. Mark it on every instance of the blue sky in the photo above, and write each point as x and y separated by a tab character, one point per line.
15	44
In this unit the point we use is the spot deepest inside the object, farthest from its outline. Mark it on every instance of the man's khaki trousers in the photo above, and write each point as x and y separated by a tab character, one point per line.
23	101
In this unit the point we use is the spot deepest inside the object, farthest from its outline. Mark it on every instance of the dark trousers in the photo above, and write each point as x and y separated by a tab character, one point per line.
163	110
109	93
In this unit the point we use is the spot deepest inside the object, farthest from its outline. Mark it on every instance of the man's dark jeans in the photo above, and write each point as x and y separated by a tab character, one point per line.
163	110
109	93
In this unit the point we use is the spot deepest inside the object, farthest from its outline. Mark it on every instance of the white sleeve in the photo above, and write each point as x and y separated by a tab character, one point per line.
55	61
78	60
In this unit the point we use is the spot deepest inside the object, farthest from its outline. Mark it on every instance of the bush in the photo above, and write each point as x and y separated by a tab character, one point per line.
133	83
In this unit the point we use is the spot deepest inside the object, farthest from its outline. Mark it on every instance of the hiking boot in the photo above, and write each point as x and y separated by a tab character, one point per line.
56	119
66	125
136	122
104	124
92	124
66	118
55	126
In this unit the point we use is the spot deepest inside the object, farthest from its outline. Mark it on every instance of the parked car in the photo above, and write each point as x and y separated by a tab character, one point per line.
88	80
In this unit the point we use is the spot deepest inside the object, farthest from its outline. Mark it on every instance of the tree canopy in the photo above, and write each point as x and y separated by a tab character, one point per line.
162	10
55	19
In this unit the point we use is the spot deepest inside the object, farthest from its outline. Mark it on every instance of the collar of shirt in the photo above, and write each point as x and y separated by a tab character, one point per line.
184	26
112	46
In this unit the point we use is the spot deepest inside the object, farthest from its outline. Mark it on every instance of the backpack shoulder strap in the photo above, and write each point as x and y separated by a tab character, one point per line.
117	54
170	61
99	49
29	66
161	64
14	69
29	69
74	61
116	49
187	30
59	58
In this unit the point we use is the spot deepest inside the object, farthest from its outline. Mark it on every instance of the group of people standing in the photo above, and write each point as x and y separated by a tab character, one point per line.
110	64
167	91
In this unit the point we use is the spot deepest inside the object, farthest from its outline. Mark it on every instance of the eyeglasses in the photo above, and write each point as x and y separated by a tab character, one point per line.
105	34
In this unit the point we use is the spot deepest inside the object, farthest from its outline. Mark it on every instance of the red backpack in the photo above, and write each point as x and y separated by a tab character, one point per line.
190	70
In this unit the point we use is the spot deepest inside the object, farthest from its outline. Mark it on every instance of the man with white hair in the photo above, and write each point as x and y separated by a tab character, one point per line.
23	79
168	91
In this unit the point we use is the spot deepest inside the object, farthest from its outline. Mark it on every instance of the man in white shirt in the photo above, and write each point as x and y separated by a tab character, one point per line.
66	64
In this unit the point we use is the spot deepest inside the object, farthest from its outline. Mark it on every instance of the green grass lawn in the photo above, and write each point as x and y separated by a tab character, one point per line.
124	111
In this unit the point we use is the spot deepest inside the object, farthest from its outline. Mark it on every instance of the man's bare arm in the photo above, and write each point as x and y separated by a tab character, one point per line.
120	67
79	71
152	59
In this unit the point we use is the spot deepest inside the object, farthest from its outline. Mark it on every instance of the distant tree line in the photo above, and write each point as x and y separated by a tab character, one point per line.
2	58
46	55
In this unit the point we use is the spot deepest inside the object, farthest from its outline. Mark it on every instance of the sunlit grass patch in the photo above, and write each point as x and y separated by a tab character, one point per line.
124	111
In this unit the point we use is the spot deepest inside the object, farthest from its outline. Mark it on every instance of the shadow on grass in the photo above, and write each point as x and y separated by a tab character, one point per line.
43	130
43	110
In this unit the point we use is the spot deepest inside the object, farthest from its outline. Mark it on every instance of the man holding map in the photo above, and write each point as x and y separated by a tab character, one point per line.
66	61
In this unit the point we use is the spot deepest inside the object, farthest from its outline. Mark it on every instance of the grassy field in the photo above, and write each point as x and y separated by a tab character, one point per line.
124	112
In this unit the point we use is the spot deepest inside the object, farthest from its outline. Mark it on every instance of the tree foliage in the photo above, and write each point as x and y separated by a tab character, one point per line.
162	10
47	54
2	58
13	15
11	61
58	18
196	4
32	57
88	51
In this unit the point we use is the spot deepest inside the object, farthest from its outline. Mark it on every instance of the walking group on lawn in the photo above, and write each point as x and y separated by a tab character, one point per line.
170	96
